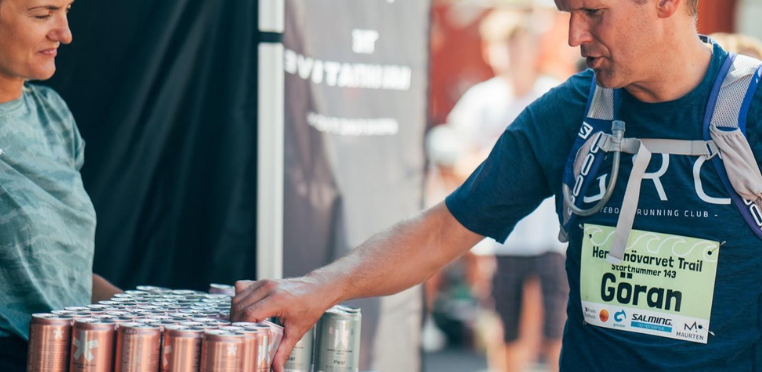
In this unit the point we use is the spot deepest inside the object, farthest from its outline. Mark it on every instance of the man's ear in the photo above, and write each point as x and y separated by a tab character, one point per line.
666	8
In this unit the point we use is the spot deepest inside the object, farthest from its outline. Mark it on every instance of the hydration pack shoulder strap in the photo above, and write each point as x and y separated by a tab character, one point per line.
725	124
724	134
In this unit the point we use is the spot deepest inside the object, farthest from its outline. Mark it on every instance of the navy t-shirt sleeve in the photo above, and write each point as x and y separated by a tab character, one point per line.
526	164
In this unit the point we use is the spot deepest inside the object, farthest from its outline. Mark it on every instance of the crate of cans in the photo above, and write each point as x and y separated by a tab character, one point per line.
152	329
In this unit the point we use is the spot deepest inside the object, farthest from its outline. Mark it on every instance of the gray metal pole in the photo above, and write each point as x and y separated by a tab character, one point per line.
270	144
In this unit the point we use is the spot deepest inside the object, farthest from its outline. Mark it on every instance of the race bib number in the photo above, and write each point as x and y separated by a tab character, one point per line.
664	286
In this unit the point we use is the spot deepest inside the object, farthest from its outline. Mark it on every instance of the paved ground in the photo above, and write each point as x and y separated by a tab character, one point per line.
459	360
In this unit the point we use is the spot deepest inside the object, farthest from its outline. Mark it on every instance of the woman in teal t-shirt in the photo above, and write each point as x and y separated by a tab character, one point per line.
47	221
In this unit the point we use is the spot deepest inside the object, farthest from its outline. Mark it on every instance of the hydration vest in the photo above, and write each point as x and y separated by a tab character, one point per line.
724	142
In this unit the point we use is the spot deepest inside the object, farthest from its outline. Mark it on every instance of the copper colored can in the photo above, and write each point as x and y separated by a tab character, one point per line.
137	348
222	351
49	343
263	335
276	336
92	346
253	358
182	349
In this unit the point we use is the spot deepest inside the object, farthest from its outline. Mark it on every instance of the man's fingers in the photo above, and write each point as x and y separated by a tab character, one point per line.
249	295
256	312
284	350
243	284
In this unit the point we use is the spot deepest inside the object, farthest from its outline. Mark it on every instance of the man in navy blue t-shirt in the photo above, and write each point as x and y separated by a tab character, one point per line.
669	306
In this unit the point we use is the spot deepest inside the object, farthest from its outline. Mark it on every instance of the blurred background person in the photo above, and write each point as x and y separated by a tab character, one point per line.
524	276
739	43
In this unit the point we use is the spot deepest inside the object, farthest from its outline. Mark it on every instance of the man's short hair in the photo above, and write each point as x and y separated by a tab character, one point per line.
692	6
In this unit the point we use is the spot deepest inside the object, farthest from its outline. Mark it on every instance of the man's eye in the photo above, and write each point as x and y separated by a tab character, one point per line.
46	16
593	12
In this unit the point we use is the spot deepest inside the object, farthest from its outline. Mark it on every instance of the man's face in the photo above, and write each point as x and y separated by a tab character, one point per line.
30	33
617	38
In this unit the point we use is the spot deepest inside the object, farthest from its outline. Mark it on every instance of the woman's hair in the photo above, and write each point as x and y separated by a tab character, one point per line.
737	43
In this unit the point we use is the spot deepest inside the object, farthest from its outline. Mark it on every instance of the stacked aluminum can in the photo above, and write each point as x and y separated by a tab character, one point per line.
337	344
152	329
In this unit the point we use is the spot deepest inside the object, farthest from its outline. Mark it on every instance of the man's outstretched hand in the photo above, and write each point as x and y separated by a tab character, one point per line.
297	303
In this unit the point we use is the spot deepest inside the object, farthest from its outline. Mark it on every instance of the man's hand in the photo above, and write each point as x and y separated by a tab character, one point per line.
297	303
389	262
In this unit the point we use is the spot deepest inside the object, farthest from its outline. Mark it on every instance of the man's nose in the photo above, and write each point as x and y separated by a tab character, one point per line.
579	33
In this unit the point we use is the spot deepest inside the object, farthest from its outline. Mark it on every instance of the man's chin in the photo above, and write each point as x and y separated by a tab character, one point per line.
605	80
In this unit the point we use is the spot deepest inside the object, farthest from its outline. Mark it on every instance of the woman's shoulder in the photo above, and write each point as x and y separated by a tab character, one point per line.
46	95
47	100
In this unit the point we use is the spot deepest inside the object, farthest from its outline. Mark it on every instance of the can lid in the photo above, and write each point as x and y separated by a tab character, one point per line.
50	316
334	314
76	308
94	324
231	328
222	335
151	288
348	309
138	326
176	330
62	312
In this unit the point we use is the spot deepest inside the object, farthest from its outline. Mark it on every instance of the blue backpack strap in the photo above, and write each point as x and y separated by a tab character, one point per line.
738	75
584	160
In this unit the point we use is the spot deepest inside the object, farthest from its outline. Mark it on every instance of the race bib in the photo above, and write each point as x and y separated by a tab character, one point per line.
663	287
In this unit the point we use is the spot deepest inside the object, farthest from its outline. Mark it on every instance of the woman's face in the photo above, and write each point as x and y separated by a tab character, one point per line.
30	33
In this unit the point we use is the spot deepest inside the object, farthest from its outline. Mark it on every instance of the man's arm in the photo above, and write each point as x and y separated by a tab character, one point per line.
102	289
391	261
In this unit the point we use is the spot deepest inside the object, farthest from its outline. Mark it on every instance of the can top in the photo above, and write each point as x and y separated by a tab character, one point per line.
51	319
178	330
94	324
337	313
76	308
204	320
105	316
161	317
257	326
151	288
231	328
138	328
62	312
223	336
348	309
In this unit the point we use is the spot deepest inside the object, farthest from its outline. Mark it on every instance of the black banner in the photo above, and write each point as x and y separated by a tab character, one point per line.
164	93
356	89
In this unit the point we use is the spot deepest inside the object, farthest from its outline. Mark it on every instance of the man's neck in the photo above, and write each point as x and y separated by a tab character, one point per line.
681	69
10	89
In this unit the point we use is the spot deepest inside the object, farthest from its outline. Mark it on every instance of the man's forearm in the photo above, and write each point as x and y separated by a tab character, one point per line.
102	289
399	258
